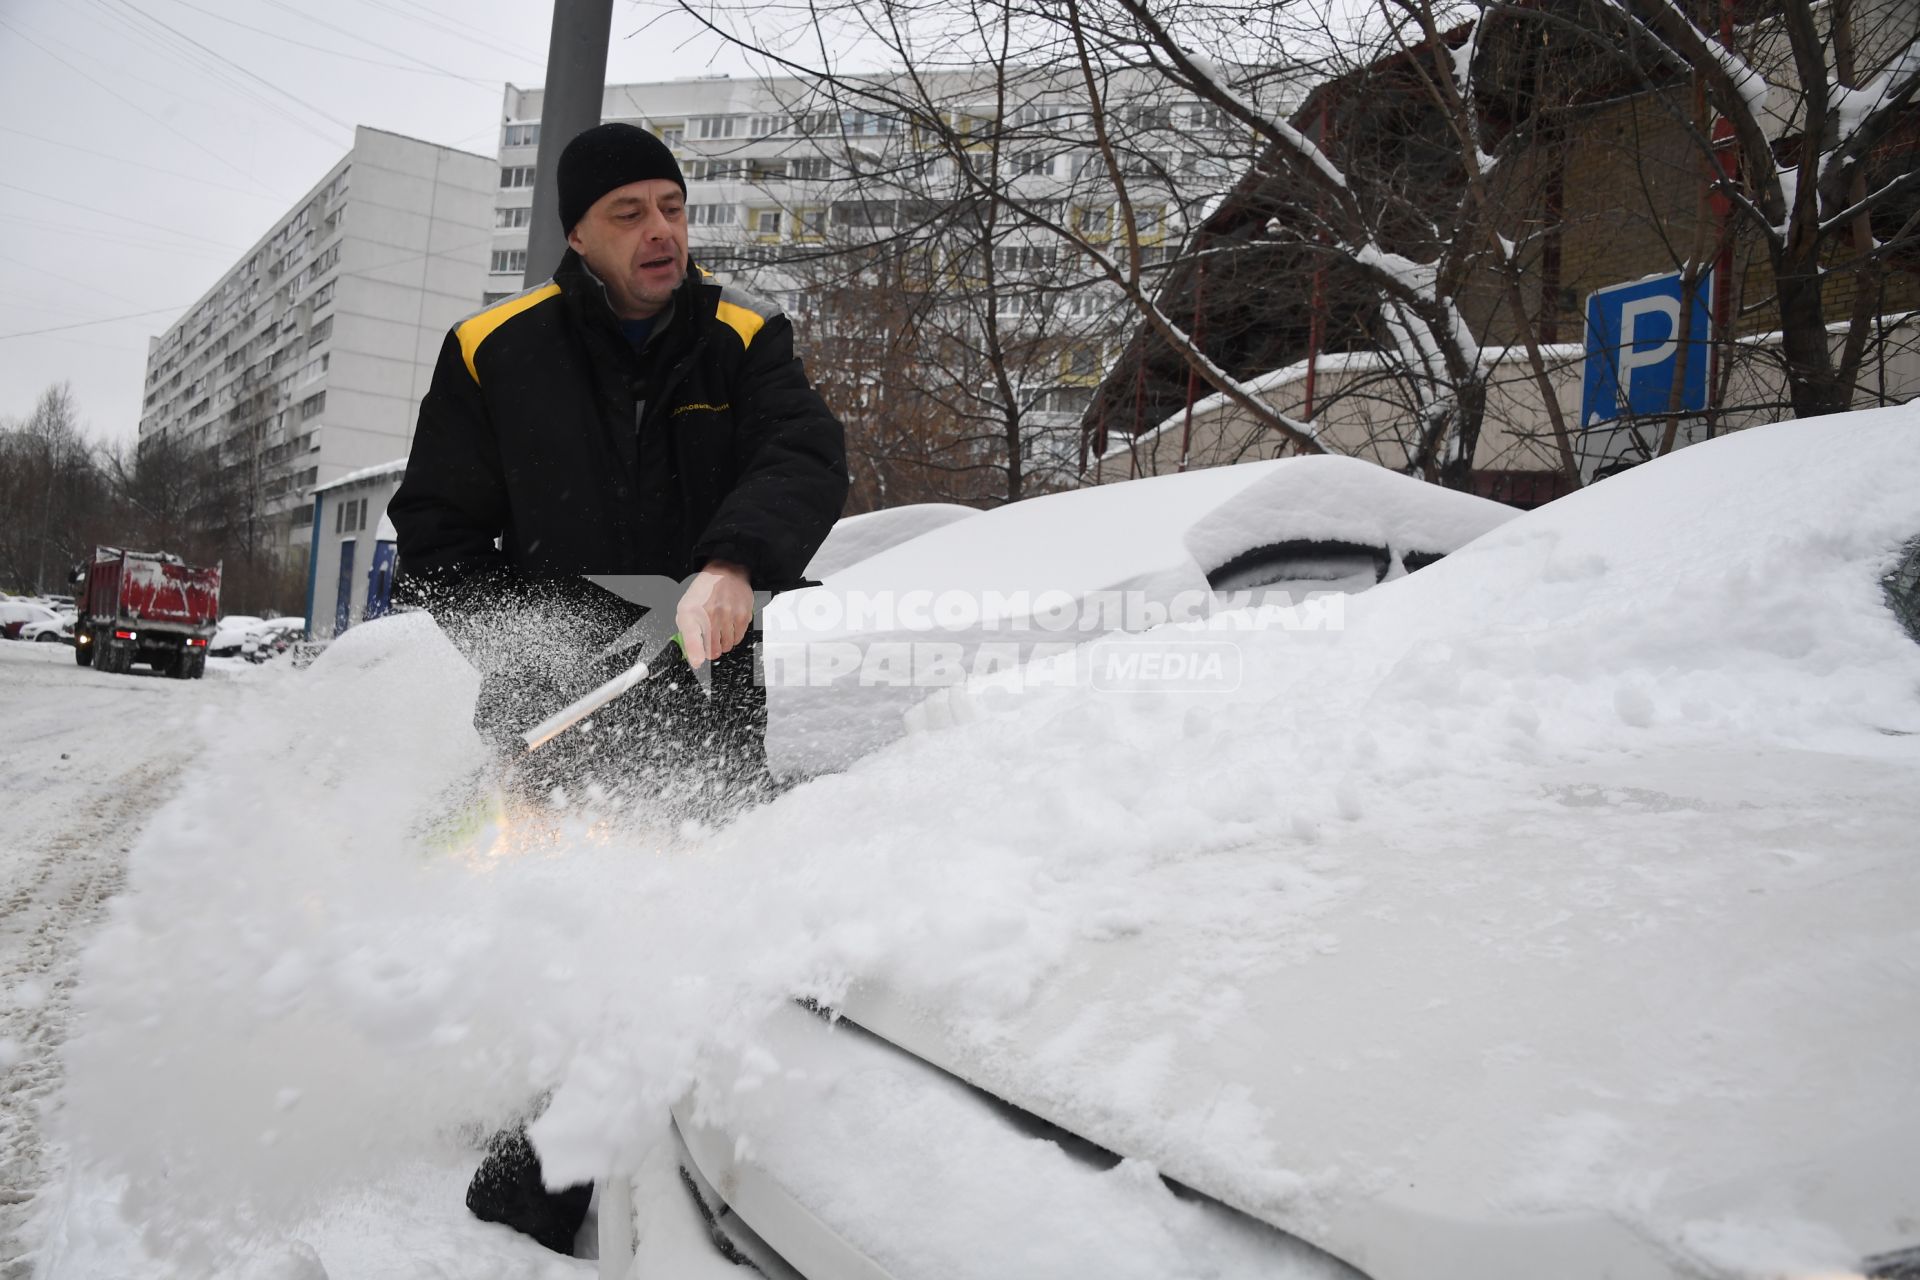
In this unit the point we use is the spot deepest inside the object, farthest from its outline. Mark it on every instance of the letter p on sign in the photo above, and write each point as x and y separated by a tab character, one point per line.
1633	345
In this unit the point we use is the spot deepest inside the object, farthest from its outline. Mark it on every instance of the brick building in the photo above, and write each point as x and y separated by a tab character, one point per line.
1602	180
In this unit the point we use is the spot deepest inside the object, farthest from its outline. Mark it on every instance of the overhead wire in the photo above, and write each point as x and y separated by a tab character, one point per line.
157	35
108	213
446	24
66	278
83	324
97	236
424	68
137	164
233	66
384	48
108	89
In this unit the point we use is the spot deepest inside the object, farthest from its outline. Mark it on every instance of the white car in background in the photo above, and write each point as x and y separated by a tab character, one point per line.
17	614
1554	918
55	630
232	633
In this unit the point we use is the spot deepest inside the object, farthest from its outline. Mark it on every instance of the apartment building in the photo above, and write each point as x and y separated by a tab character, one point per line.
784	178
308	358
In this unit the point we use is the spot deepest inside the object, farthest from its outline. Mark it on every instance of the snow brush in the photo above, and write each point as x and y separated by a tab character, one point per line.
588	703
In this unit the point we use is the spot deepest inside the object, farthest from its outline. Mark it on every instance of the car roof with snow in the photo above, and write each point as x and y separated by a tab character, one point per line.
1171	532
1066	568
856	538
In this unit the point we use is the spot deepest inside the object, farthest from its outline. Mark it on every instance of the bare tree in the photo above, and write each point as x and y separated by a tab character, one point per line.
1421	189
53	493
1812	147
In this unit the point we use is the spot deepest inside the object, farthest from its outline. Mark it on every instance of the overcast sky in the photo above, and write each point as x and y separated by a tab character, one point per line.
148	143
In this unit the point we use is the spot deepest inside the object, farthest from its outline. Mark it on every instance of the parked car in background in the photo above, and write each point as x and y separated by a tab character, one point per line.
272	638
231	634
17	613
58	630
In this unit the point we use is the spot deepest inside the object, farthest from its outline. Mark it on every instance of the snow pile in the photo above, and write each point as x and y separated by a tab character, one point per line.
269	1019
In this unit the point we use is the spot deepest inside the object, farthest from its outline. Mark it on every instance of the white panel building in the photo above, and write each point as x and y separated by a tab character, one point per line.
307	360
778	172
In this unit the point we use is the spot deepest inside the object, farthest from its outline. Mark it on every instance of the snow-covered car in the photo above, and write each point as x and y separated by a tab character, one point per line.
849	661
1552	917
272	638
233	632
856	538
16	614
55	630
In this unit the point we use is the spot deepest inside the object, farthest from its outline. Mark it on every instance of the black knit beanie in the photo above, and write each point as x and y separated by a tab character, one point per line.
609	156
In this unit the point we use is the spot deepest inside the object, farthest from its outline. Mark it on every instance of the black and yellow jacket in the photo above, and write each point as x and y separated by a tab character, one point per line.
544	429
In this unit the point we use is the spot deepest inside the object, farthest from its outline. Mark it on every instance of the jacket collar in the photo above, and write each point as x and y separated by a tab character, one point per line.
587	293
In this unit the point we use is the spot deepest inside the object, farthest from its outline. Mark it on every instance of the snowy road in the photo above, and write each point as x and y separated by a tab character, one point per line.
84	757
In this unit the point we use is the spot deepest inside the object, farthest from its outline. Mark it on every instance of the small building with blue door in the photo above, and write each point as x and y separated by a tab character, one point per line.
351	568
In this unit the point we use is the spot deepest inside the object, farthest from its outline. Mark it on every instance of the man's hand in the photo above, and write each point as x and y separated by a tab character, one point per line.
714	614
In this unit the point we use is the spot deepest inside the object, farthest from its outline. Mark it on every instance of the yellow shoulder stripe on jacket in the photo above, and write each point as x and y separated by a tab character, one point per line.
476	329
743	322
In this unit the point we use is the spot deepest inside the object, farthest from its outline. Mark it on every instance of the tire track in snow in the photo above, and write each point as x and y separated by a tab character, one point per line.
65	831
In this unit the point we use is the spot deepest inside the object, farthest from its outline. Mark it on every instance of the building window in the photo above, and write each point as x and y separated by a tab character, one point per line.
713	170
1025	257
350	516
1033	164
516	176
1073	400
1204	117
810	168
522	135
519	216
674	135
1094	224
712	215
321	331
489	298
707	127
324	263
308	478
1080	363
313	406
302	517
509	260
809	224
766	126
766	223
864	213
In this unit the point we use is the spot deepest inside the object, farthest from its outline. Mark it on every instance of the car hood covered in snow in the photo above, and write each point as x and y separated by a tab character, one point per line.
1555	917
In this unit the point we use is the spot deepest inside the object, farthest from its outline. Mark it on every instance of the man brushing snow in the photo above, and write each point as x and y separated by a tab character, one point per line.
629	417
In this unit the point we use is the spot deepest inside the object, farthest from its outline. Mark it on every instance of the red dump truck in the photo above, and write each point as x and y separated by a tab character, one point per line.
139	606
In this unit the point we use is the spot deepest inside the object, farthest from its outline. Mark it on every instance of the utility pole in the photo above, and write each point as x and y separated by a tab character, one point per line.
576	85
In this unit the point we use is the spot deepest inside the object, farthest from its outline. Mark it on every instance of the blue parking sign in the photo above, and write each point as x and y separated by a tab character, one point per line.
1633	333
